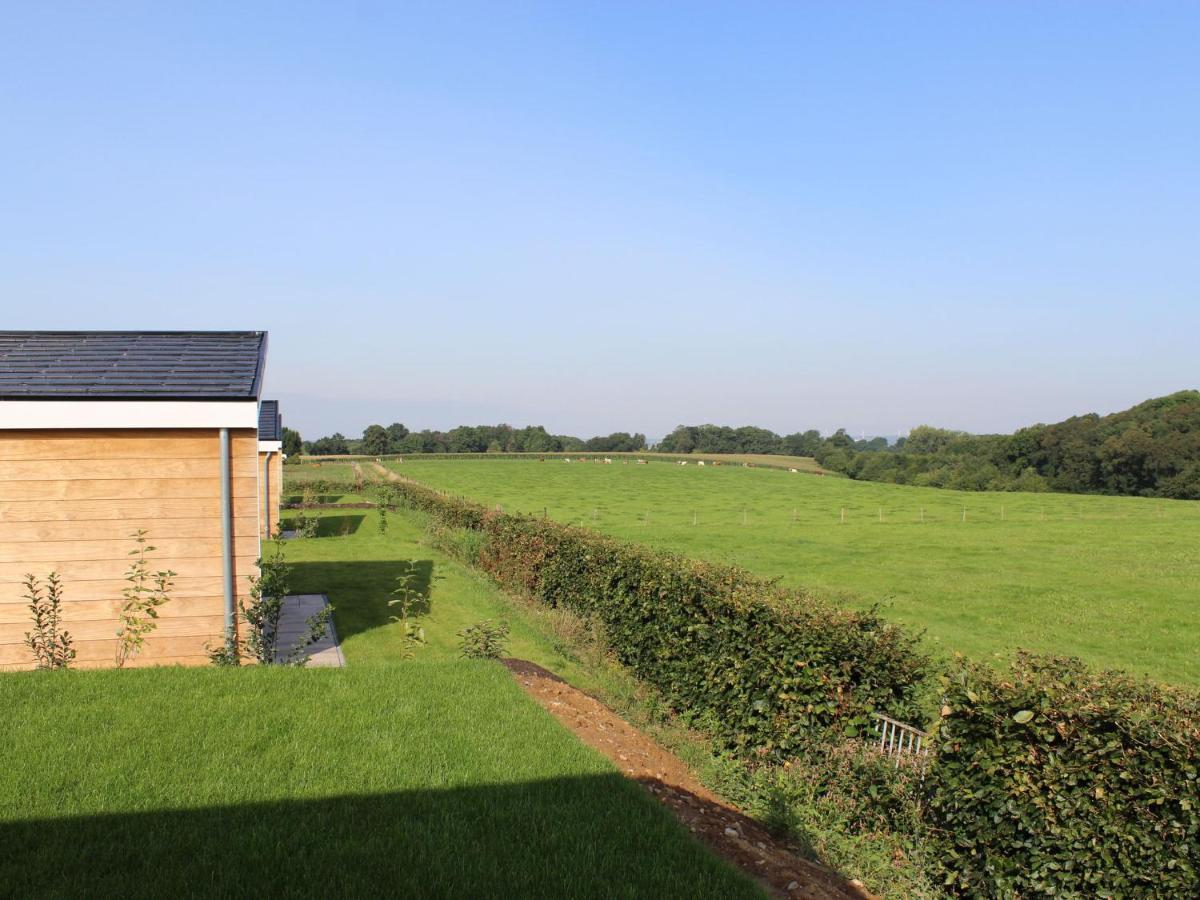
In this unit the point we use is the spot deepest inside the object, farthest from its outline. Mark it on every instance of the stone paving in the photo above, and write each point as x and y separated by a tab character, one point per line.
293	626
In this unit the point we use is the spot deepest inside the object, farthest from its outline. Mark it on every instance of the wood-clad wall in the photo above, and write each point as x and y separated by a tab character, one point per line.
69	501
270	525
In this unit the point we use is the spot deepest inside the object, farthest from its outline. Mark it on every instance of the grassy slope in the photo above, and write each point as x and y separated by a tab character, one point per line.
358	574
1110	579
425	779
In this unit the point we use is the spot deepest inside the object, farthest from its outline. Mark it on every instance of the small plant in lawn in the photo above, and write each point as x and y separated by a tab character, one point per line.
306	525
484	640
146	593
383	499
407	593
49	642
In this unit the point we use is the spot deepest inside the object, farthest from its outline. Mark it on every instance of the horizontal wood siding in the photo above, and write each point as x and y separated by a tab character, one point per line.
274	480
69	501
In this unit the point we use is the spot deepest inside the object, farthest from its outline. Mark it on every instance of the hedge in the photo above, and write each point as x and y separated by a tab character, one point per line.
1051	779
1046	780
772	671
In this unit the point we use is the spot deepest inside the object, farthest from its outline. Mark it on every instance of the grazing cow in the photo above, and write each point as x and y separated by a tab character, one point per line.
793	470
607	461
566	459
700	463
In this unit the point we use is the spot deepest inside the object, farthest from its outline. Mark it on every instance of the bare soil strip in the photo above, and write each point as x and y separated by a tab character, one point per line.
724	829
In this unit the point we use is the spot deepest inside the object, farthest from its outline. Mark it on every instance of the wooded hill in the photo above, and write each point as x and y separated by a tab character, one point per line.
1151	450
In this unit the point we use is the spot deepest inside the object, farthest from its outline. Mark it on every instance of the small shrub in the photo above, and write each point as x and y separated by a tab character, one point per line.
383	499
484	640
139	610
49	642
306	526
407	594
260	618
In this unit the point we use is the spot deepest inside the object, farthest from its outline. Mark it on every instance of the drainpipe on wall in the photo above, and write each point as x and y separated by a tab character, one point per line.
227	531
267	494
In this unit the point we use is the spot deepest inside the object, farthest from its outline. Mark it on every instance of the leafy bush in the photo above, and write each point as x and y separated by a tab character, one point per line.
407	594
775	670
1056	780
49	642
261	617
484	640
147	591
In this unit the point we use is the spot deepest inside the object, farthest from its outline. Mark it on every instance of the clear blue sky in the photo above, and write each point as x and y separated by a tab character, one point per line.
622	216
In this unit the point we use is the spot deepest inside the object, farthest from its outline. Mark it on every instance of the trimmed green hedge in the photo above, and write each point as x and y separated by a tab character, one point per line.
1056	780
1049	779
773	670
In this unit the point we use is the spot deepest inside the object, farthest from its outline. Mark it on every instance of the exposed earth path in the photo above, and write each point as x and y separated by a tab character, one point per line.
728	832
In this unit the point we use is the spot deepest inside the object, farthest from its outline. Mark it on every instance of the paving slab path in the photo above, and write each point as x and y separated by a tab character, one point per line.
293	627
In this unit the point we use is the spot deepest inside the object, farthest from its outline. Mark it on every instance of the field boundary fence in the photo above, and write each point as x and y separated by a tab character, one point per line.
900	741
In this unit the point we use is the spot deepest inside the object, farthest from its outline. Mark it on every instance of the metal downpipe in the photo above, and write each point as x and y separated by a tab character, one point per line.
227	532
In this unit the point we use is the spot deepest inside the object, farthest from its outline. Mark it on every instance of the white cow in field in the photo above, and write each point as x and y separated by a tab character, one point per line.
700	463
607	461
566	459
793	470
641	462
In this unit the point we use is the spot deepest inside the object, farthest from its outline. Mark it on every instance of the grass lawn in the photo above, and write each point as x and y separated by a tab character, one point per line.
358	573
432	779
1113	580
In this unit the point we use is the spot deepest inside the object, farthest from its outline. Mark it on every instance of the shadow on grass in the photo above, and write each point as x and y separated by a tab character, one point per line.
586	836
360	590
339	526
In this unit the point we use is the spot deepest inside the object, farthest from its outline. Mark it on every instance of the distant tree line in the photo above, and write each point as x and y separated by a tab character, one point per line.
1151	450
377	440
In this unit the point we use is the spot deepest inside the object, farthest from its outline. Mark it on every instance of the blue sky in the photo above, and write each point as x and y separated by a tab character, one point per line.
622	216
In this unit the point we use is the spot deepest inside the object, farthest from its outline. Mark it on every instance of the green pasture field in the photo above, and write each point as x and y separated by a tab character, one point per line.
1113	580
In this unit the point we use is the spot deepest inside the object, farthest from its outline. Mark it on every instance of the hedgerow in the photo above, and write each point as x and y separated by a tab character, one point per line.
1053	780
1049	779
775	670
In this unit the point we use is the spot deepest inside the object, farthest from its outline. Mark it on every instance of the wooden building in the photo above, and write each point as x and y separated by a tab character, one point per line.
106	433
270	460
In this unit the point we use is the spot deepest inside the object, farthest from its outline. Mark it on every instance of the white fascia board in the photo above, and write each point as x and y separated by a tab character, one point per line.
85	414
270	446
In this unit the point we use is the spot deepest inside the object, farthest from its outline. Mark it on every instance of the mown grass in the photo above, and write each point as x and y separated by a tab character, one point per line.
358	572
421	779
1110	579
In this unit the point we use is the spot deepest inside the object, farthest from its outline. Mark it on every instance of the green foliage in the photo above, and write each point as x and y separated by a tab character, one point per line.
1059	781
1150	450
406	595
258	639
484	640
49	642
375	441
146	592
775	670
293	444
384	496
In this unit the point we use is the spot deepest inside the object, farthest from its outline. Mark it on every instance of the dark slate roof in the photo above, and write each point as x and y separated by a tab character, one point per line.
131	365
270	422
